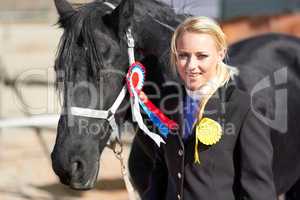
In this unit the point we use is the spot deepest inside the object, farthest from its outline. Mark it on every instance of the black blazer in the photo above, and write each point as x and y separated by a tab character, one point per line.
239	166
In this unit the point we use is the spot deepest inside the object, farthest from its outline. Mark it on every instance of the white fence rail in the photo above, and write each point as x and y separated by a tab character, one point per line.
38	121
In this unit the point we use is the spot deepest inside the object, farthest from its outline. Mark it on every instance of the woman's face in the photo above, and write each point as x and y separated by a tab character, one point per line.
197	59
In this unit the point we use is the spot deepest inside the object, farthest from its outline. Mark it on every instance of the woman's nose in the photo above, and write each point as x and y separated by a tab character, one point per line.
192	64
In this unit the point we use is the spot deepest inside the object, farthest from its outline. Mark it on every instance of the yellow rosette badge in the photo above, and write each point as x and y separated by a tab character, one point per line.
208	132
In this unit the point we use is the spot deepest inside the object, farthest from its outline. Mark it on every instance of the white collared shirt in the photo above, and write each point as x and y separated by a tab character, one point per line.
206	89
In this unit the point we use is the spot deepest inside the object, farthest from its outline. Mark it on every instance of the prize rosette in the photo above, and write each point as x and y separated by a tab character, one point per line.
208	132
136	78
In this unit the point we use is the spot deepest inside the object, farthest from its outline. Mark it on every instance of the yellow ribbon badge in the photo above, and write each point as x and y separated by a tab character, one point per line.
208	132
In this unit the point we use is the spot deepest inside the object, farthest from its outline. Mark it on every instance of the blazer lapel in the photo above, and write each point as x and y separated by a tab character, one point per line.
213	107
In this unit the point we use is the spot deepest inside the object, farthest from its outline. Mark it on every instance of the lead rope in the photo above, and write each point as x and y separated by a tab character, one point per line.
118	151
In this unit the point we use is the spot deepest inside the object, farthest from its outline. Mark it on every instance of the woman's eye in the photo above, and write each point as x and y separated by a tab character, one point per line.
202	56
182	56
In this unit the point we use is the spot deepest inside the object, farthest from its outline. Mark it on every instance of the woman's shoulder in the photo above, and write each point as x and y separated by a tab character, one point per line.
236	95
242	100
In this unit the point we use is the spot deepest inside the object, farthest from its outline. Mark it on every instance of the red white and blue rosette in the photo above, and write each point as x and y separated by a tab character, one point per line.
136	78
135	81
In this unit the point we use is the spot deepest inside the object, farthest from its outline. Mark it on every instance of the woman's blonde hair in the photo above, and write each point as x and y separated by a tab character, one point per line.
207	26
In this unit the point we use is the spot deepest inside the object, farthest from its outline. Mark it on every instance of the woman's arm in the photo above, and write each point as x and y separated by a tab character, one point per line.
256	156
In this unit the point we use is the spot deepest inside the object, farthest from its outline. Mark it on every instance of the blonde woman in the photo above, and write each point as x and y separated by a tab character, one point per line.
221	151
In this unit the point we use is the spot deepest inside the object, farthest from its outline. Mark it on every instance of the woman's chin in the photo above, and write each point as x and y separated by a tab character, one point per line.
193	85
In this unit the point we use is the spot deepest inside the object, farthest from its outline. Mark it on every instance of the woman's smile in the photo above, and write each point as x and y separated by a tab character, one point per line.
192	76
197	59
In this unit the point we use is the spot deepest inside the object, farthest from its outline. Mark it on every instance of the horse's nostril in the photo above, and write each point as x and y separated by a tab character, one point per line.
77	167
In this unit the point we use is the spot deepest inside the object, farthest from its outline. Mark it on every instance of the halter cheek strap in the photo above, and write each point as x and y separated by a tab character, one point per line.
130	44
131	59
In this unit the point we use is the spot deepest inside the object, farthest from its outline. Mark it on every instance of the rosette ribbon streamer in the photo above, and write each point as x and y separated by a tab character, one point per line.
135	81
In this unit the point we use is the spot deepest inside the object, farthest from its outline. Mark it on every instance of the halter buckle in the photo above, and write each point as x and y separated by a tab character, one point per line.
130	40
110	115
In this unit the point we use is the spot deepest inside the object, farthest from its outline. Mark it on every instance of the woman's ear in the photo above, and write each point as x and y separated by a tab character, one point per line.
222	54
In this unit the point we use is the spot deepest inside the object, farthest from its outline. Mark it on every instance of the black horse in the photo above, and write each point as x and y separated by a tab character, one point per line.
92	61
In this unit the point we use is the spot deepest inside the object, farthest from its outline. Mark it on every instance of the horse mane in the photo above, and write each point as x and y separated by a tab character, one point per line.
78	26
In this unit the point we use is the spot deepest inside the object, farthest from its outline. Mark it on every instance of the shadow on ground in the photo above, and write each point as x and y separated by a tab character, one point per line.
60	190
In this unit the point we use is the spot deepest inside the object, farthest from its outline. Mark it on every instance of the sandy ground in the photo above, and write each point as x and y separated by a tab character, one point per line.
27	51
26	173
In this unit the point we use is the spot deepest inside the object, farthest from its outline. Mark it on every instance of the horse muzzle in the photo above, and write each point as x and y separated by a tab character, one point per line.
83	178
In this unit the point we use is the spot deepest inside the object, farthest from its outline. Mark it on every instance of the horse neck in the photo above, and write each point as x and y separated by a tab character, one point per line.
154	24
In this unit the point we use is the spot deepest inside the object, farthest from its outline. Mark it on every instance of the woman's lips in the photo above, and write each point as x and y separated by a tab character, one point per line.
193	75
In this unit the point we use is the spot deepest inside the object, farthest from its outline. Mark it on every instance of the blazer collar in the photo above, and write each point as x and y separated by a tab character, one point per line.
214	109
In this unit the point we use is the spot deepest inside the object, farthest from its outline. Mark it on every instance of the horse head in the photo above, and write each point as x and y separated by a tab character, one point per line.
91	64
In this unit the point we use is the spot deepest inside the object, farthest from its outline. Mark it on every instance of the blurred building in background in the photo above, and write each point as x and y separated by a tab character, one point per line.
239	8
241	19
229	9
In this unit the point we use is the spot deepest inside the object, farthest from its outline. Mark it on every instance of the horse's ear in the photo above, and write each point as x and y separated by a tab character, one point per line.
121	17
63	7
